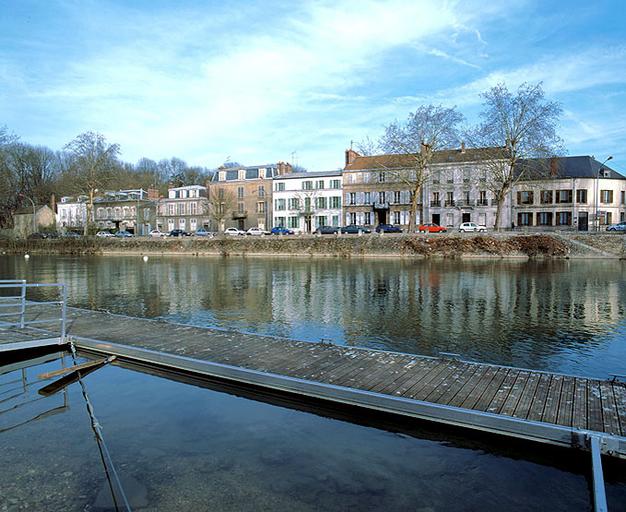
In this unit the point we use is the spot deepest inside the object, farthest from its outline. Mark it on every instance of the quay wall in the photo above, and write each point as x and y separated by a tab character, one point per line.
494	245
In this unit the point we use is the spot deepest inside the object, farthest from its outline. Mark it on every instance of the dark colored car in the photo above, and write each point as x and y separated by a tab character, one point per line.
70	234
353	229
123	234
388	228
36	236
179	232
326	230
281	230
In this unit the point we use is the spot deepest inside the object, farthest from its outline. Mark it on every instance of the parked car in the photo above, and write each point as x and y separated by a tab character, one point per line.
326	230
234	232
353	229
123	234
203	232
256	231
36	236
179	232
281	230
468	227
155	233
431	228
620	226
104	234
69	234
388	228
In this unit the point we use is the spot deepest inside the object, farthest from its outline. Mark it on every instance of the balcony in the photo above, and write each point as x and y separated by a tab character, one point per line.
381	206
450	202
435	204
240	215
482	202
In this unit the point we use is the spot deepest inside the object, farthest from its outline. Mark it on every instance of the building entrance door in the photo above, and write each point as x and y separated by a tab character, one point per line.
307	224
382	216
437	219
466	217
240	224
583	221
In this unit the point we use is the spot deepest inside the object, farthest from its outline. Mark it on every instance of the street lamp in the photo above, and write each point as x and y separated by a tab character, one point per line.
597	194
34	212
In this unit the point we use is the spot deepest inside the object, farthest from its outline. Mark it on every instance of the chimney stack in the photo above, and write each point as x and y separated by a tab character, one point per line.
462	147
351	156
554	167
53	203
283	168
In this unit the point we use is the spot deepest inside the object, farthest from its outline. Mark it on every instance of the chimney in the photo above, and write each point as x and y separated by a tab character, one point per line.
462	147
351	156
283	168
53	203
153	194
554	167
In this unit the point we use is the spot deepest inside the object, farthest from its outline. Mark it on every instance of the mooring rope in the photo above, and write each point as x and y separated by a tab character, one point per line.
109	469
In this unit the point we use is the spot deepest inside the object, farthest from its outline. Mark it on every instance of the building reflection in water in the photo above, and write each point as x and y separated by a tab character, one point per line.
559	315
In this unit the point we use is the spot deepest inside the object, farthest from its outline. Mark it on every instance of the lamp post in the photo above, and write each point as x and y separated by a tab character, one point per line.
34	211
597	194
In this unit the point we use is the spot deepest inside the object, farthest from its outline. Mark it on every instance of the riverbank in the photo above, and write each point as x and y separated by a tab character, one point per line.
578	246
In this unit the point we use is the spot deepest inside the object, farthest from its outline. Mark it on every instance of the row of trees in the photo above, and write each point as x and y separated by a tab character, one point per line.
513	127
86	165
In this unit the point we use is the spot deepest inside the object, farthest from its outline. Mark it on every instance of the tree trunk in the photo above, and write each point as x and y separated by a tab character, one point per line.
413	216
496	224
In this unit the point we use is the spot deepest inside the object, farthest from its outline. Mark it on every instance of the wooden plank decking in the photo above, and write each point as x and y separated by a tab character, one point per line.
565	400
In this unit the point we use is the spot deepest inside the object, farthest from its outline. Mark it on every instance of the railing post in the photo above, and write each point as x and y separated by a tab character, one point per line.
63	311
599	493
22	303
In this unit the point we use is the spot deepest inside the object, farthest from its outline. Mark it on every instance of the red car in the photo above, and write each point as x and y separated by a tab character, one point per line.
431	228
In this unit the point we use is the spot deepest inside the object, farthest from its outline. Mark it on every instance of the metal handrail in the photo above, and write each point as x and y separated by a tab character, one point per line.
22	303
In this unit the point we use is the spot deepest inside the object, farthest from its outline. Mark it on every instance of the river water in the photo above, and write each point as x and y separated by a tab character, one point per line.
567	316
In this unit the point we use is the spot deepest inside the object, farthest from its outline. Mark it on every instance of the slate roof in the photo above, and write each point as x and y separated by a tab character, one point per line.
571	167
315	174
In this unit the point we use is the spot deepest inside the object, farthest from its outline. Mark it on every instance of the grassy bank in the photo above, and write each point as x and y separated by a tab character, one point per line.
418	246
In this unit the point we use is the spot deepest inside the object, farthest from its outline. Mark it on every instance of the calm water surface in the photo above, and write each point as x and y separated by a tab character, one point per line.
189	448
561	316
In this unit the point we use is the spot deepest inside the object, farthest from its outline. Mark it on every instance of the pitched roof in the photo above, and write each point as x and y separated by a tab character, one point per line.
399	161
570	167
314	174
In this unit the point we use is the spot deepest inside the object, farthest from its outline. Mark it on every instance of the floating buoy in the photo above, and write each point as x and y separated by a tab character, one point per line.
26	256
145	258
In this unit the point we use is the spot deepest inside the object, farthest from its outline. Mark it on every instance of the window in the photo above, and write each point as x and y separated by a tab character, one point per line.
466	175
240	207
260	207
335	220
232	175
293	203
293	222
352	218
239	192
220	194
170	208
396	197
396	217
563	218
280	204
525	197
170	224
193	208
368	198
436	177
623	197
181	224
524	219
280	187
482	219
606	196
146	213
352	198
449	198
544	219
545	196
101	213
449	219
307	185
564	196
307	204
320	203
367	218
320	220
320	184
381	177
252	174
466	197
335	184
261	191
279	221
335	202
381	197
181	208
193	224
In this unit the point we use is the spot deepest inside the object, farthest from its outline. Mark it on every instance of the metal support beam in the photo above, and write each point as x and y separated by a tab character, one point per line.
599	493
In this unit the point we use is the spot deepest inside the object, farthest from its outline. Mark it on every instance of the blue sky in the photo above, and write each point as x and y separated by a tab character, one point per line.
257	81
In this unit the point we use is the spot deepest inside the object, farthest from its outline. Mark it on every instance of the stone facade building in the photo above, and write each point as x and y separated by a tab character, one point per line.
126	210
378	189
24	224
304	201
185	208
241	197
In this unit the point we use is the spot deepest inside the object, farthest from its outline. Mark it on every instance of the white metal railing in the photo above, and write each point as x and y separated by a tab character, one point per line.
15	307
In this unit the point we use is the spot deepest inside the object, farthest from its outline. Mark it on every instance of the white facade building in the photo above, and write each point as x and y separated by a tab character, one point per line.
304	201
71	212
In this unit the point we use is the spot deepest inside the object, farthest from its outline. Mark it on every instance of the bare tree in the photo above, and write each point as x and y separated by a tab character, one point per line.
516	127
411	146
93	165
222	202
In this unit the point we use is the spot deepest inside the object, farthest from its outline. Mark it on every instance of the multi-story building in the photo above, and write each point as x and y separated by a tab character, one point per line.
241	197
71	213
577	192
304	201
378	189
128	210
185	208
